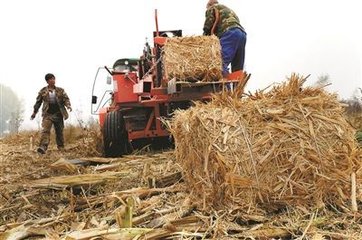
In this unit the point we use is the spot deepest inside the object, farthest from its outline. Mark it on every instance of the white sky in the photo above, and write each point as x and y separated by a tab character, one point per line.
72	38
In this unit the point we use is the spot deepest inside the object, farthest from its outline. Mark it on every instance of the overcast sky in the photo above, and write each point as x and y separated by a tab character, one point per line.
72	38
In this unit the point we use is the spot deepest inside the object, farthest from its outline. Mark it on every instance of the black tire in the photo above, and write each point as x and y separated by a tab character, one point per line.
115	137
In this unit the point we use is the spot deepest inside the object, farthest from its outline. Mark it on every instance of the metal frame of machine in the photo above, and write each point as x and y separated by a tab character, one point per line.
142	95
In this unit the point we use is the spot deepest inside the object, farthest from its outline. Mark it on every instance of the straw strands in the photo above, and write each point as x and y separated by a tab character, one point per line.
78	195
195	58
288	146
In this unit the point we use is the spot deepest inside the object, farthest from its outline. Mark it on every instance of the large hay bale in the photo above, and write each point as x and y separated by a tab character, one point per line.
196	58
291	145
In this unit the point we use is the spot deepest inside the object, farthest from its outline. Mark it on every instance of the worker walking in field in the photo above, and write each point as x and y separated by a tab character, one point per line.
55	101
224	23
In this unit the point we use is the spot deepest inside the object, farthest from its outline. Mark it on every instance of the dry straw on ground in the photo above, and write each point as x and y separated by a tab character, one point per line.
195	58
75	194
288	146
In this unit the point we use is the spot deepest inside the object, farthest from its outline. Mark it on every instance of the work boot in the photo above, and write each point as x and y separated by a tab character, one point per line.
41	150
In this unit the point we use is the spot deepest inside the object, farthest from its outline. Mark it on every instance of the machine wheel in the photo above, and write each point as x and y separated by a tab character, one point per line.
115	138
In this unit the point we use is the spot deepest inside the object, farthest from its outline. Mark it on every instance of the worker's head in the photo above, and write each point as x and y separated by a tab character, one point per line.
50	79
211	2
49	76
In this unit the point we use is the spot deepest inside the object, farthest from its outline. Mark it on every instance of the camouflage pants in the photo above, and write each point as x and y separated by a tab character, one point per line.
47	123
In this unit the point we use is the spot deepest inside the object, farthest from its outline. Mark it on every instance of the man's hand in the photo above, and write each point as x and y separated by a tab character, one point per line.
32	116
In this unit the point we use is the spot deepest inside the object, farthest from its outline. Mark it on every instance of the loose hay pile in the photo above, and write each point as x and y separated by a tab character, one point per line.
193	58
289	146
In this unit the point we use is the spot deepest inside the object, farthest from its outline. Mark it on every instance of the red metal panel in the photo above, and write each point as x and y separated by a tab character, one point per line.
147	134
102	116
124	88
160	40
238	75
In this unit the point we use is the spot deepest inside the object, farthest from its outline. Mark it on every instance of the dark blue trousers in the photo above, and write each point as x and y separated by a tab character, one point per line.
233	50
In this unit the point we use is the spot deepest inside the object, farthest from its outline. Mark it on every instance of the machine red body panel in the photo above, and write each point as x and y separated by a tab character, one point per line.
124	83
102	116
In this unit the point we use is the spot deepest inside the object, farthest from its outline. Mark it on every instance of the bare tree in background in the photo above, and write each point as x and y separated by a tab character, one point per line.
15	121
353	111
11	111
358	95
323	80
354	103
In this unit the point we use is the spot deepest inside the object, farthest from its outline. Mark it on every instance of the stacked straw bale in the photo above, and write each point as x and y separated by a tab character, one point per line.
289	146
196	58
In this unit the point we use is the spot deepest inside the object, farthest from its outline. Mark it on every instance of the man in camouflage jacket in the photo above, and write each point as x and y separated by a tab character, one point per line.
55	101
224	23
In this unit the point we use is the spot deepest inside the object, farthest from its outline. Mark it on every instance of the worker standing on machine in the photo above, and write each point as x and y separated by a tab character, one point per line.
224	23
54	100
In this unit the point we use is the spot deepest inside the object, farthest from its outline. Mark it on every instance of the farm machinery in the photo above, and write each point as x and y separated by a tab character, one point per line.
142	95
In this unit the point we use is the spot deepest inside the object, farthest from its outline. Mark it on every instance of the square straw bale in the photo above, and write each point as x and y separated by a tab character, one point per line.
195	58
290	146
